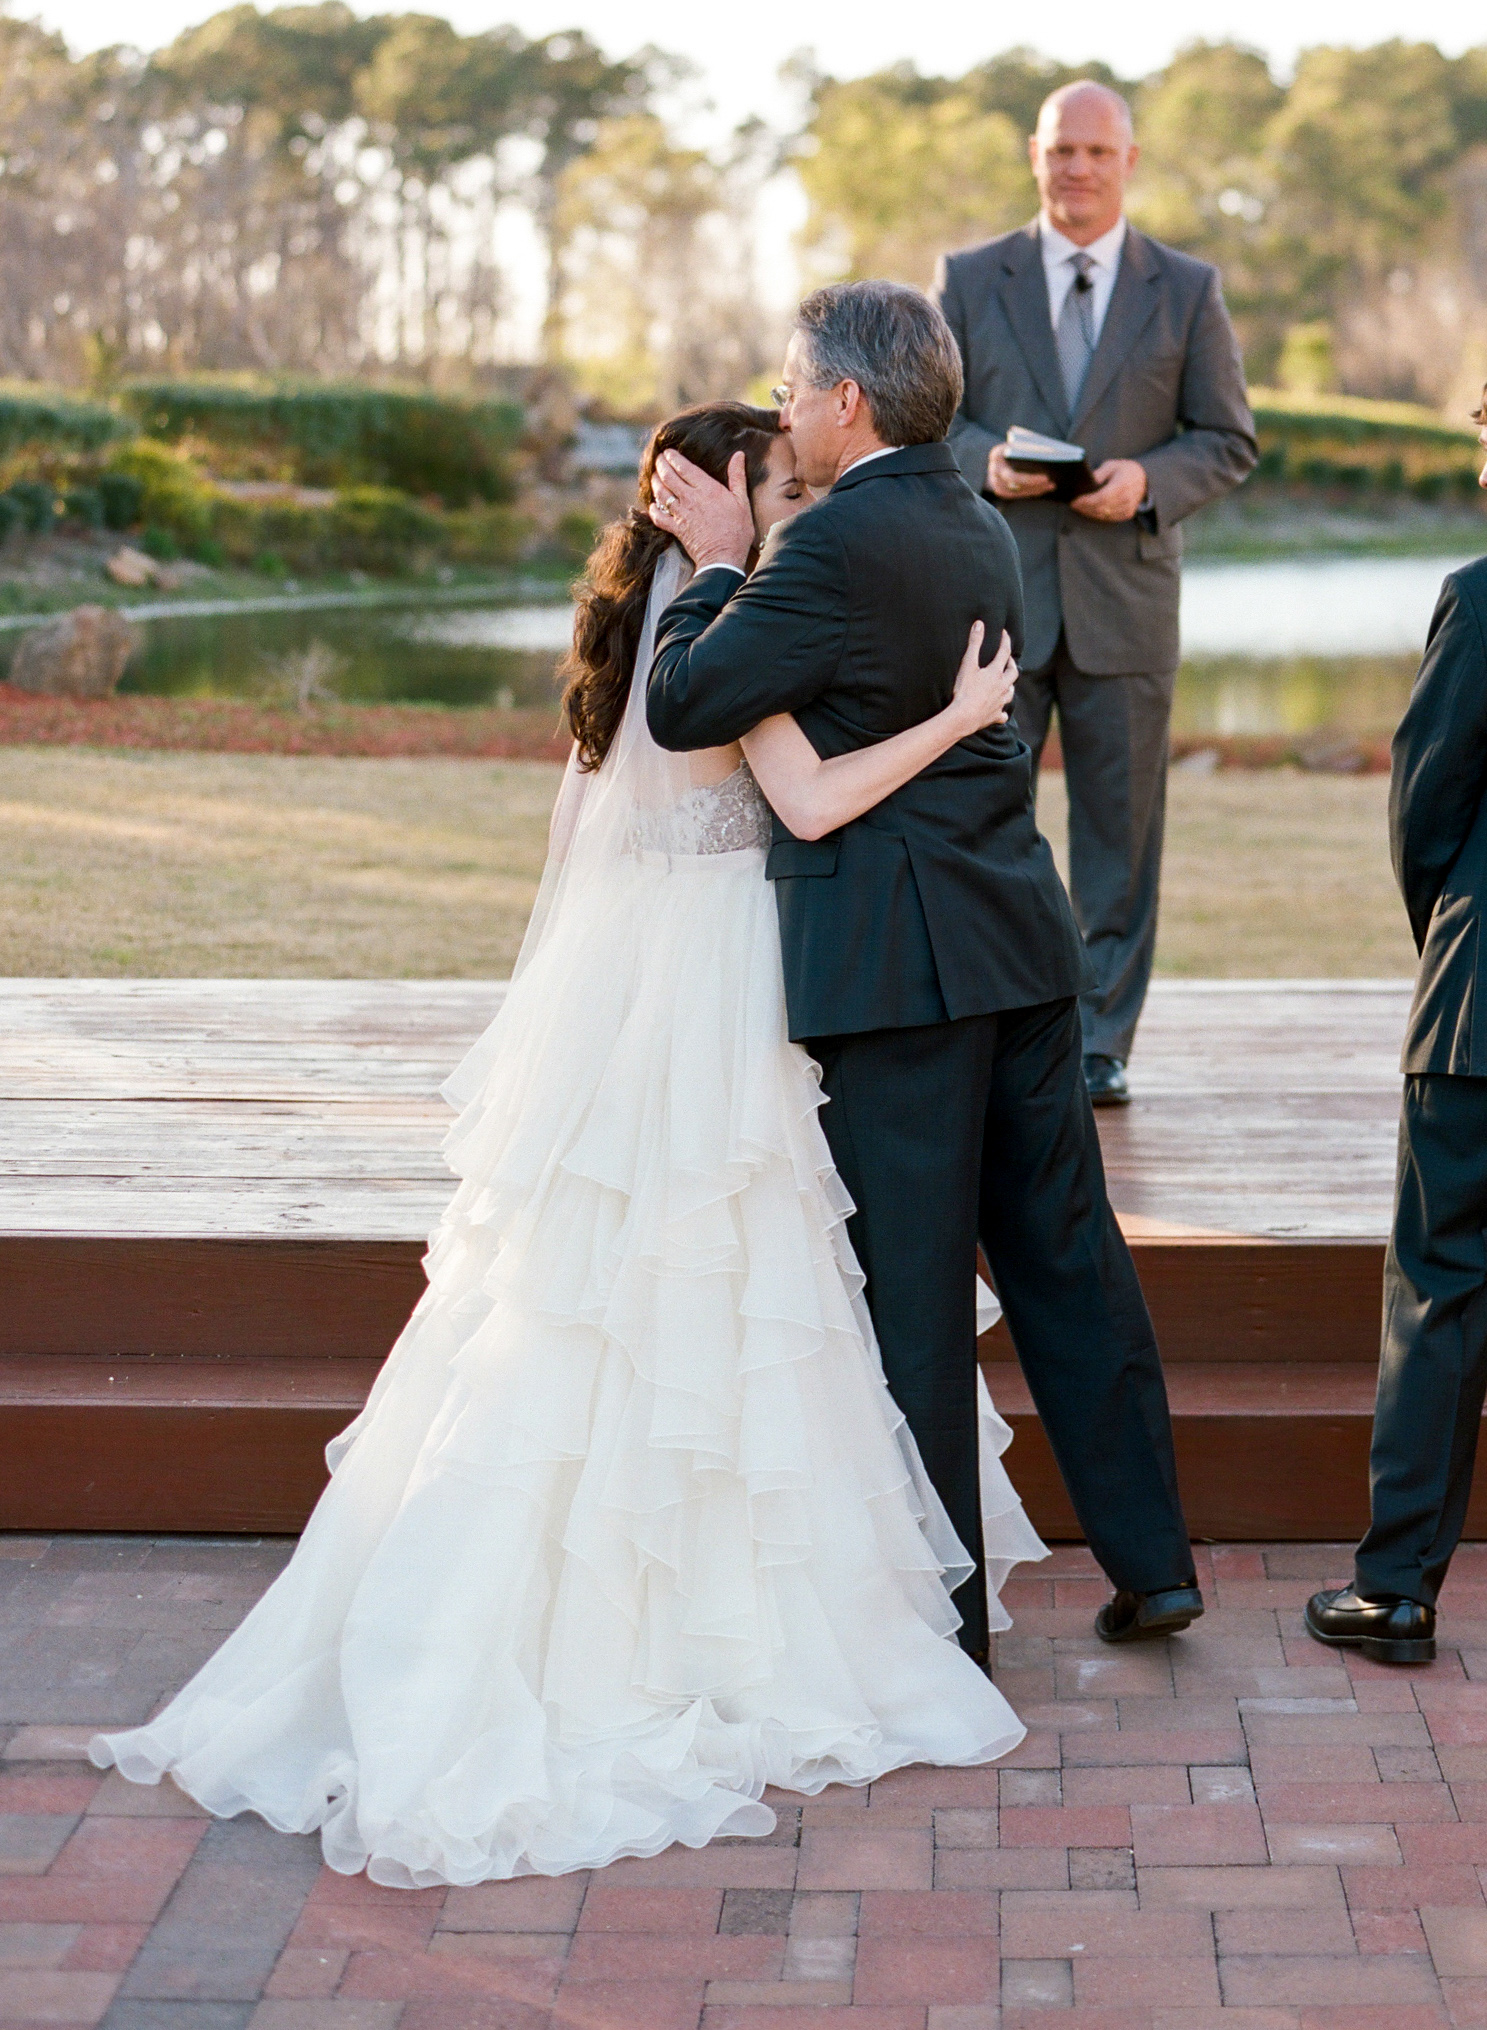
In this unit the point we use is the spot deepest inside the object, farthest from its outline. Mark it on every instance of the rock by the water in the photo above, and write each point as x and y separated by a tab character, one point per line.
131	567
78	655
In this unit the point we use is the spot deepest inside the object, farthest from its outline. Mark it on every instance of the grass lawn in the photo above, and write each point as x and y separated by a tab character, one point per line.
146	863
1272	873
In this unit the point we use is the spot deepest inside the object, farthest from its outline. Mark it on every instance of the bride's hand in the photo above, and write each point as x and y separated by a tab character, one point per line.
983	696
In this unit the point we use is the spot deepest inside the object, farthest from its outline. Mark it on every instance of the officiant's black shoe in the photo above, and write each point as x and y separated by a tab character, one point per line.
1388	1629
1146	1617
1106	1079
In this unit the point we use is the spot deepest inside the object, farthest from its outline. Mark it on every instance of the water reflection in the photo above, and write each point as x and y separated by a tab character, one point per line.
440	656
541	630
1311	606
1278	648
1362	695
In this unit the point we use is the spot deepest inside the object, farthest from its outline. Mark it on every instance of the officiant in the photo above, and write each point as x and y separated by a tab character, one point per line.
1082	328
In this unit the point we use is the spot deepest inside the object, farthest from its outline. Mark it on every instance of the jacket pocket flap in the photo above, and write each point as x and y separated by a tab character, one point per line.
1165	543
791	857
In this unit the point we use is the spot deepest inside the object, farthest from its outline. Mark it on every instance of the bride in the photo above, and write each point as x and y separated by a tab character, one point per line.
630	1527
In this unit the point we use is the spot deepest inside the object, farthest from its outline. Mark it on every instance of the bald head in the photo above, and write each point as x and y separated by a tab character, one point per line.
1096	101
1082	155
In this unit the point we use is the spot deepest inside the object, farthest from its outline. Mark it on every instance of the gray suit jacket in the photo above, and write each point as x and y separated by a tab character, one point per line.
1166	385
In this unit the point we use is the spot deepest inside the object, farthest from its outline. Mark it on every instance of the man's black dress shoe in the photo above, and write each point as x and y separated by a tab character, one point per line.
1388	1630
1146	1617
1106	1079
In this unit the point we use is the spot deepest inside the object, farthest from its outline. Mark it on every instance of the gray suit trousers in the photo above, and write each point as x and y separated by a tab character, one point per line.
1114	735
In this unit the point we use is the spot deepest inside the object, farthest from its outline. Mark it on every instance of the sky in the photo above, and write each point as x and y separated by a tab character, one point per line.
738	50
737	53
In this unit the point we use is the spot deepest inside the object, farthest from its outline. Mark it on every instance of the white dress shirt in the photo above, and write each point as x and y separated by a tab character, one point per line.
1057	256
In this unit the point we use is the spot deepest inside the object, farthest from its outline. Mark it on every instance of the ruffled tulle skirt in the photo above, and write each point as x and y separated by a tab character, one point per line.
630	1526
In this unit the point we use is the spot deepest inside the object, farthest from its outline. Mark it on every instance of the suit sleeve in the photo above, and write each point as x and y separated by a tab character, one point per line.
969	440
730	653
1215	447
1440	757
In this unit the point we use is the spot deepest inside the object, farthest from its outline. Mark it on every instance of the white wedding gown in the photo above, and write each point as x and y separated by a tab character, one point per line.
630	1526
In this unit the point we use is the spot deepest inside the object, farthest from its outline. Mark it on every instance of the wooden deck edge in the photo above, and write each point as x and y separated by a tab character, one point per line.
1243	1480
1256	1300
235	1471
224	1299
1270	1477
258	1299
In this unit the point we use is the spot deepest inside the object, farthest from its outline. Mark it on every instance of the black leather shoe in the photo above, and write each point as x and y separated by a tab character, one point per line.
1146	1617
1106	1079
1388	1630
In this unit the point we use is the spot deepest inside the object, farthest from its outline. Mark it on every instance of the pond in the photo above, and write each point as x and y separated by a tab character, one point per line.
1298	645
1271	647
428	653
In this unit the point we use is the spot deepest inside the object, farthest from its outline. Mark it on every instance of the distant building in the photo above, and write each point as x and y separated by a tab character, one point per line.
608	447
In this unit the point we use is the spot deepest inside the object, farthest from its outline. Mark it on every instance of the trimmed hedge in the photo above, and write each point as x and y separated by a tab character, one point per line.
31	414
1354	419
1345	442
368	528
344	433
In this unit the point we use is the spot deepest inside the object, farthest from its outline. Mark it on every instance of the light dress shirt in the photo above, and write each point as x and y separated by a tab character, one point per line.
1105	252
719	565
1057	254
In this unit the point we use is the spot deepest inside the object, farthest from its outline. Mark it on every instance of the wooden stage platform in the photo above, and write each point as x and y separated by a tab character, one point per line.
214	1197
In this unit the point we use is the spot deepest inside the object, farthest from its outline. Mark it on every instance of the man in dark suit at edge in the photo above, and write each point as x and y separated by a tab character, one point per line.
1082	328
932	965
1433	1363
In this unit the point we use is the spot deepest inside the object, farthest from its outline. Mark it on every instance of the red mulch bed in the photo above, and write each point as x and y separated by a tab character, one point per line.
235	726
1324	753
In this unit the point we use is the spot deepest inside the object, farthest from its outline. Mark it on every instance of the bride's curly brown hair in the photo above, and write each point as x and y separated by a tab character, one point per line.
612	594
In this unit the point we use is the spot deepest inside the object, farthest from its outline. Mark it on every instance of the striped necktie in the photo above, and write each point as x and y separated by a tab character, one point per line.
1075	335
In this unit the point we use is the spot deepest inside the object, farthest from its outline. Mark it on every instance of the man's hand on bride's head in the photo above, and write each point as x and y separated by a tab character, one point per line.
714	524
983	696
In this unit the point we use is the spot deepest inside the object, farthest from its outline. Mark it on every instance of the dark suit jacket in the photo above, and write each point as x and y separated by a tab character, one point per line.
1438	832
1166	385
943	901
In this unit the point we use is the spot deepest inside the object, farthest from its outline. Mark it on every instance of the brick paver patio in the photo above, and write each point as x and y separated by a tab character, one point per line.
1234	1829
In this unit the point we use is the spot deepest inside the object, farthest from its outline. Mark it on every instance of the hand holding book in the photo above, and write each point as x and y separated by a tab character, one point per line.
1028	452
1030	466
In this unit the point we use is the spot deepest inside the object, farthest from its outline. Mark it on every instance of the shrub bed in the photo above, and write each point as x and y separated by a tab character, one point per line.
342	434
1344	442
368	528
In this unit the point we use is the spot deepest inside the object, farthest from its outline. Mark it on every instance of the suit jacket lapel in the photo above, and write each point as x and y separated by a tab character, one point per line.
1024	293
1133	303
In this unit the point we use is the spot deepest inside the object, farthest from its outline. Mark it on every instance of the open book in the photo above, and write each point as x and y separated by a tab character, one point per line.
1065	464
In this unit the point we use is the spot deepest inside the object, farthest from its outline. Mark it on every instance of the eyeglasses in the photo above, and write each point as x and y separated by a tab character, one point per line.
783	396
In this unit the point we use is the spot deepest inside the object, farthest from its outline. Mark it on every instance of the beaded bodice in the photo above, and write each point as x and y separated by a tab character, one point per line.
720	817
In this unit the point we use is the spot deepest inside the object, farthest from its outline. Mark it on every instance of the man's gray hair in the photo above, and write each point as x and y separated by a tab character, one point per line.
895	345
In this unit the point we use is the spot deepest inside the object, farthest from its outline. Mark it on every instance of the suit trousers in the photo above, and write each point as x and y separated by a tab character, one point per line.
1114	735
982	1129
1433	1361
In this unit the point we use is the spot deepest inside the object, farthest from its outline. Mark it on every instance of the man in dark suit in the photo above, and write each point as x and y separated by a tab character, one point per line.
1433	1365
932	965
1080	327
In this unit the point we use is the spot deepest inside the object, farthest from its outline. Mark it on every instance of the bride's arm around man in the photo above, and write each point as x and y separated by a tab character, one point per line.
932	964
